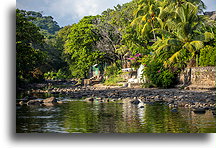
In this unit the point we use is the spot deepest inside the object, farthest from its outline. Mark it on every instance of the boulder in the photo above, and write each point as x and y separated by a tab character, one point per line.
50	100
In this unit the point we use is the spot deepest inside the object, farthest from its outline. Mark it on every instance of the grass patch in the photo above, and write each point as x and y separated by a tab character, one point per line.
113	81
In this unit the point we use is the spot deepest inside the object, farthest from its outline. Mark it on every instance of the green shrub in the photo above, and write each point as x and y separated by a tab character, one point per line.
113	69
55	75
158	76
207	56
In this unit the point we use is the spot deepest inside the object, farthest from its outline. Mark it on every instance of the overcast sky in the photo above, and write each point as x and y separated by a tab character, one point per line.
67	12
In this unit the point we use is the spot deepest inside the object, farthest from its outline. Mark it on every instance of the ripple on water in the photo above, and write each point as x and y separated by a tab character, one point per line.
76	116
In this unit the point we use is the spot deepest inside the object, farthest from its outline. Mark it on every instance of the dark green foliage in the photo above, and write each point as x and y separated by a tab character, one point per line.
207	56
46	23
48	27
113	73
169	35
114	69
80	49
60	75
53	44
158	76
29	56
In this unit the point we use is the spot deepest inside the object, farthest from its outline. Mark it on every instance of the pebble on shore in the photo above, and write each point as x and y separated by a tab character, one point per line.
173	97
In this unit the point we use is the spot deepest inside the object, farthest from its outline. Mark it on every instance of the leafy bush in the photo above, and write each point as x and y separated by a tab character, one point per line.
113	72
207	56
158	76
55	75
113	69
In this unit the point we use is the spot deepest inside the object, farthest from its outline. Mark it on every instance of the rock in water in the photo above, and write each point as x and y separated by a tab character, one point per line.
199	110
141	106
34	102
174	110
48	104
21	103
89	99
50	100
136	101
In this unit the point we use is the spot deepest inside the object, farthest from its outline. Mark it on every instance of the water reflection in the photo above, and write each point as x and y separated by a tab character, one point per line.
122	117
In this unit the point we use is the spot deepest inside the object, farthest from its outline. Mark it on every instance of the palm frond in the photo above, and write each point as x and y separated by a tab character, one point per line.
136	21
208	36
160	22
197	44
174	57
144	18
188	47
145	29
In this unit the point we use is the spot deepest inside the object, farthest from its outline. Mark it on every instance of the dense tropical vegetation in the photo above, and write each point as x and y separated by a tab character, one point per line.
164	35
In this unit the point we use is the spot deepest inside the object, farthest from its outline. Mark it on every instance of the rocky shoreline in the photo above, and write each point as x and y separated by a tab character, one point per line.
197	100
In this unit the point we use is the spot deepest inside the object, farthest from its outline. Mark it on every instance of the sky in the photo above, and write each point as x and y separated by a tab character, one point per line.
67	12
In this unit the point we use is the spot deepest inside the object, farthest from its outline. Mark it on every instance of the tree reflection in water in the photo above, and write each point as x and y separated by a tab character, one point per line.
120	117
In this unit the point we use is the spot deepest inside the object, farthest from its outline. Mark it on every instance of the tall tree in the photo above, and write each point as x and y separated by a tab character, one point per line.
179	39
29	41
80	48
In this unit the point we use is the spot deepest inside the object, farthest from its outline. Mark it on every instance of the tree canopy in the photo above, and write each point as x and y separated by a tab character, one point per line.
29	56
167	34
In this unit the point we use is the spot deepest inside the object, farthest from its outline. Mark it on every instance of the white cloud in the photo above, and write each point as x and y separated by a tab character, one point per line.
66	12
80	8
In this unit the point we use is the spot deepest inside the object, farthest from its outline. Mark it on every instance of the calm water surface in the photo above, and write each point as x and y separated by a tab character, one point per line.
75	116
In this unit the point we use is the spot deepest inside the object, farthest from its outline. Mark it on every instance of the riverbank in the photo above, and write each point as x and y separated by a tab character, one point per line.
174	97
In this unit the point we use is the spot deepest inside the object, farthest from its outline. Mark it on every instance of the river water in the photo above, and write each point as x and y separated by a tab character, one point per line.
78	116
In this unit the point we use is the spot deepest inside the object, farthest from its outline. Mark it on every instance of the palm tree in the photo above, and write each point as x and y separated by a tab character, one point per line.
178	33
145	17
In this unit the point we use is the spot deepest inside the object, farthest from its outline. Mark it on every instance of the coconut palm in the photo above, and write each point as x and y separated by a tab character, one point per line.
145	17
178	33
